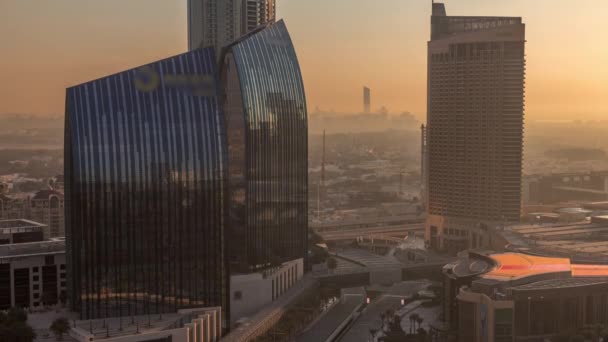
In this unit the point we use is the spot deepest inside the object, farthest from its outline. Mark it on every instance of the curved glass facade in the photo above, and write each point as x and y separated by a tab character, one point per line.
267	134
145	189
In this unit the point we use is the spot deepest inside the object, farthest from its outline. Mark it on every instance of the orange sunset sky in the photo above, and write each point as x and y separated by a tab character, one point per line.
342	45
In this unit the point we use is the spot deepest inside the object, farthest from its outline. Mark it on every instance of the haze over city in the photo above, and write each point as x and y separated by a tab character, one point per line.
342	45
303	171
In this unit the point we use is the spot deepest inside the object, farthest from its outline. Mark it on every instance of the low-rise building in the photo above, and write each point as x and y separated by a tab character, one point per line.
44	206
32	274
583	240
251	292
561	187
20	231
13	208
520	297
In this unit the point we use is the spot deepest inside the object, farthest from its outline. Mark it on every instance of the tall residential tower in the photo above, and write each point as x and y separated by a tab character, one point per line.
476	69
218	22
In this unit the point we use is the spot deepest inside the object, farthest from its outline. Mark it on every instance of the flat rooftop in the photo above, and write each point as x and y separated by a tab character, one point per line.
20	250
20	224
585	239
114	327
562	283
124	326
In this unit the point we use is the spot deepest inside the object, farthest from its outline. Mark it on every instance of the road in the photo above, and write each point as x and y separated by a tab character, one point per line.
370	319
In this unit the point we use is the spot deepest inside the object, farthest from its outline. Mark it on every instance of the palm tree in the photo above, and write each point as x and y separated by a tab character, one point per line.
413	318
372	333
419	320
422	334
59	327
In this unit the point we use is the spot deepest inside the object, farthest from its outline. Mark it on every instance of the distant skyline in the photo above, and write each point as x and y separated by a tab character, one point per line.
342	45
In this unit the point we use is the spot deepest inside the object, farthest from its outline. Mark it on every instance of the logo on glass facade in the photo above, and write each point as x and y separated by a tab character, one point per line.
148	80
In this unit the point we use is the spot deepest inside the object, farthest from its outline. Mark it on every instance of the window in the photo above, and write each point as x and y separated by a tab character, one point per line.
62	275
36	278
49	259
63	283
35	269
36	287
36	295
238	295
62	266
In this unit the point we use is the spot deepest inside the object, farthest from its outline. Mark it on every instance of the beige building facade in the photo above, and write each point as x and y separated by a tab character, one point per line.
476	76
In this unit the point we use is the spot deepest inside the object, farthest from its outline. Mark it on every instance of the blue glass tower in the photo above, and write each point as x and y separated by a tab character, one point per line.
175	179
146	167
267	134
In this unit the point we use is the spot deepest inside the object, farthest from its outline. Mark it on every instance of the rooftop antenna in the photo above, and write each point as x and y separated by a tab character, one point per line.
321	186
323	164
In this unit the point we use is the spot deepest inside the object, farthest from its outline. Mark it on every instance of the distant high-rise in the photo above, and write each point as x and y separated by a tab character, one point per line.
367	100
476	68
218	22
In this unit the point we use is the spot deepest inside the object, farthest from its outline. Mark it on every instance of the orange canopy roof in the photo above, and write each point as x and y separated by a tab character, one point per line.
515	265
589	270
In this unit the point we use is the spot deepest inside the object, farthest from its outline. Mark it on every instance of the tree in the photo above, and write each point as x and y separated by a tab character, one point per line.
17	314
59	327
13	327
16	331
372	333
394	333
422	334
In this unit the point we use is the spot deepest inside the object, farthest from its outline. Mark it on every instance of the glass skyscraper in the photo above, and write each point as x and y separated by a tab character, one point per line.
179	175
267	134
146	166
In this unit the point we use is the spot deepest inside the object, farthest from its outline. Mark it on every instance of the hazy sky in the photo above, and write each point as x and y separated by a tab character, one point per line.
342	45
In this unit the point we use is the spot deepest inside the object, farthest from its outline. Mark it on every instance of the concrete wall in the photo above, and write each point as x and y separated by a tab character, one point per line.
250	292
204	327
181	335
